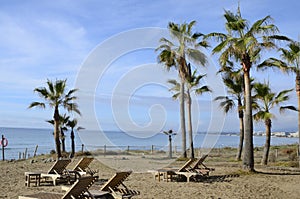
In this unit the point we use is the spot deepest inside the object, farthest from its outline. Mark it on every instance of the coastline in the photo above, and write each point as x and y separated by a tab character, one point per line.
227	181
25	139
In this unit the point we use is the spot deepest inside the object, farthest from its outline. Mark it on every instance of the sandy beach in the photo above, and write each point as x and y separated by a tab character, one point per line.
227	181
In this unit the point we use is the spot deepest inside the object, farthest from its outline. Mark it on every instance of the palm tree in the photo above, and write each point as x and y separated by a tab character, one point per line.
170	133
235	86
267	100
63	120
72	124
243	43
291	57
192	86
176	54
55	95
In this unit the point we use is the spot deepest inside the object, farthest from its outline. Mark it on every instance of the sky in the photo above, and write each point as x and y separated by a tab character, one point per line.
106	49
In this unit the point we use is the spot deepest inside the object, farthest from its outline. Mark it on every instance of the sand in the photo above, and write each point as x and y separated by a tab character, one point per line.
227	181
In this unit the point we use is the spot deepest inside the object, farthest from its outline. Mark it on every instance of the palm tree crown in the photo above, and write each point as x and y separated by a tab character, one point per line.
267	100
243	44
176	54
55	95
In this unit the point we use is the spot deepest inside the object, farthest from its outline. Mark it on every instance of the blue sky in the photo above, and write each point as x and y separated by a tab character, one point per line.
54	40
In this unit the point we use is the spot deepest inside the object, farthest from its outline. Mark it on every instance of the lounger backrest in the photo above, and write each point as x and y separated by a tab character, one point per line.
83	164
200	161
187	165
80	187
59	166
116	180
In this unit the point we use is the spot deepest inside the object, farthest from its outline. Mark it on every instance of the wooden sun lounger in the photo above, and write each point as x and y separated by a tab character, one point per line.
82	167
113	184
78	190
200	167
197	170
58	171
167	174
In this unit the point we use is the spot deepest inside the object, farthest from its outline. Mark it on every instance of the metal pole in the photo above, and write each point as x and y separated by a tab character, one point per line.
2	143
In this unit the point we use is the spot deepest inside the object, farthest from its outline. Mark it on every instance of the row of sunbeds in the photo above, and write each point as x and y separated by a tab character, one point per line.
192	169
83	178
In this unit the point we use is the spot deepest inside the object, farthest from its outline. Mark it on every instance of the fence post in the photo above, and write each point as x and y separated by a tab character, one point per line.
25	153
104	150
34	154
82	146
127	149
152	149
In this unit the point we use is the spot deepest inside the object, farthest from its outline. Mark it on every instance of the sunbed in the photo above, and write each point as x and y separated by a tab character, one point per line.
82	167
78	190
197	170
168	174
58	171
200	167
113	186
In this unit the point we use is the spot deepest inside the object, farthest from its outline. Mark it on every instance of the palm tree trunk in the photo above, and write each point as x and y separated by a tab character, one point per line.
62	137
190	127
56	132
298	95
182	119
241	118
72	143
268	124
248	158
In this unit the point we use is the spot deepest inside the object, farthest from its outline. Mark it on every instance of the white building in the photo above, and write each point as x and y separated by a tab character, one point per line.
296	134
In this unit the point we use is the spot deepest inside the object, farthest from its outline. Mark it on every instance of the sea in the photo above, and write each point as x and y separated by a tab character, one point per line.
27	140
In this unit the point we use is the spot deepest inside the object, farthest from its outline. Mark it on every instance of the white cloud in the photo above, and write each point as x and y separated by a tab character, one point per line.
47	39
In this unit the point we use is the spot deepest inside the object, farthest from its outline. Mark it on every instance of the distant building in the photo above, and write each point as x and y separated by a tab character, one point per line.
296	134
280	134
258	133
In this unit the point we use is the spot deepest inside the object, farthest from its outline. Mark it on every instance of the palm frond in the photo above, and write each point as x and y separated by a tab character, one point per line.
197	56
37	104
203	89
283	108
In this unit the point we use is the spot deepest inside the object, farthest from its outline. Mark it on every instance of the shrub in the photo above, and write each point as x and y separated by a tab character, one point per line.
52	152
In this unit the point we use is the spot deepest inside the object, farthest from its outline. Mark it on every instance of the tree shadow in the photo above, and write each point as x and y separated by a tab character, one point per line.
279	173
216	178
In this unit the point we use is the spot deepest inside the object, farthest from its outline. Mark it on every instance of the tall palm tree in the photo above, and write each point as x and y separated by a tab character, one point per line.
267	100
56	95
290	62
235	86
243	43
192	86
72	124
175	54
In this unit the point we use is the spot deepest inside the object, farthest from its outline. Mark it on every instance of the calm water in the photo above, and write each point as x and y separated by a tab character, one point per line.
21	138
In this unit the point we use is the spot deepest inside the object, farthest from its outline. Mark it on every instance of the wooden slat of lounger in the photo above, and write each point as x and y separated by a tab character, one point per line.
115	181
76	191
187	165
42	196
83	164
59	166
80	187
